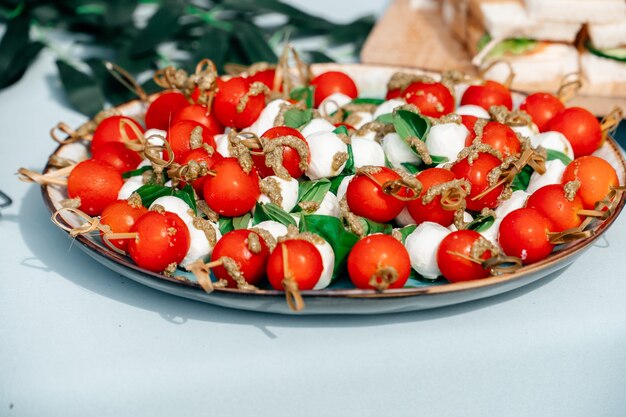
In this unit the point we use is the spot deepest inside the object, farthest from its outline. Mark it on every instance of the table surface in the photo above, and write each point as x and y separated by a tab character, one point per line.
77	339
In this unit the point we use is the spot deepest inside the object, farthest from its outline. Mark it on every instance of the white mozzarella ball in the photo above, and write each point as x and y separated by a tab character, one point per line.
369	135
363	117
221	145
404	218
466	218
174	205
517	200
491	234
447	139
130	186
324	146
328	265
367	152
199	245
459	90
315	126
273	228
473	110
422	246
144	163
526	131
398	151
267	117
332	103
553	174
329	206
553	140
388	107
343	186
152	135
288	190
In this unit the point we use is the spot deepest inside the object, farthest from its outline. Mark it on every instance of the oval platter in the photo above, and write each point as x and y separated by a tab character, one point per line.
371	80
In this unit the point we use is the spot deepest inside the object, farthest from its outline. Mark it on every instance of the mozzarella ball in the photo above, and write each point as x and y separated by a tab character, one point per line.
370	135
175	205
199	245
288	190
273	228
130	186
447	139
388	107
404	218
329	206
343	186
422	246
363	117
553	140
328	265
466	218
553	174
315	126
398	151
517	200
221	145
323	147
332	103
152	136
367	152
267	117
473	110
526	131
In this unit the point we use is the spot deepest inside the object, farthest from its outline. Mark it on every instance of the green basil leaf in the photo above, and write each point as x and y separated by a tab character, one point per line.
305	94
312	191
406	230
225	225
150	192
521	180
335	183
411	167
438	159
136	172
366	100
241	222
331	229
385	118
372	227
269	211
349	168
553	154
409	124
188	195
481	223
296	118
82	90
341	130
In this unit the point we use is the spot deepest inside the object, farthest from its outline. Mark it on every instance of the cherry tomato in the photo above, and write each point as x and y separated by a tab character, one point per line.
161	111
179	137
120	216
373	255
457	268
477	174
291	158
433	211
489	94
303	260
596	178
550	200
396	93
96	183
432	99
109	130
117	155
580	127
163	238
469	121
236	245
542	107
231	191
200	155
366	197
198	114
500	137
332	82
524	233
230	96
266	77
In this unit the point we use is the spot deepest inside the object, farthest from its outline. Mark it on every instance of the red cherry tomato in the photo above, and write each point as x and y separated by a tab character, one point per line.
432	99
477	174
291	158
163	238
109	130
235	245
433	211
550	200
391	94
366	197
117	155
524	233
596	178
374	254
201	156
303	260
179	137
96	183
120	216
500	137
489	94
452	257
580	127
161	111
469	121
332	82
542	107
266	77
198	114
231	191
228	101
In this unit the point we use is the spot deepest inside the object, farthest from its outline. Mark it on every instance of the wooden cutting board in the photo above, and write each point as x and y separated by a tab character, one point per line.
419	38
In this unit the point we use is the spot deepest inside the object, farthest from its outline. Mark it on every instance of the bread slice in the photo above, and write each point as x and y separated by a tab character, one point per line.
598	70
608	35
577	11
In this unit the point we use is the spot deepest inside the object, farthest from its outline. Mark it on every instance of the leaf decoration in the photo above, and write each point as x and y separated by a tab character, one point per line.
365	100
188	195
385	118
438	159
410	167
296	118
349	168
242	222
253	43
82	90
136	172
554	154
305	94
335	183
312	191
406	231
150	192
16	50
269	211
159	28
481	223
522	179
409	124
225	225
